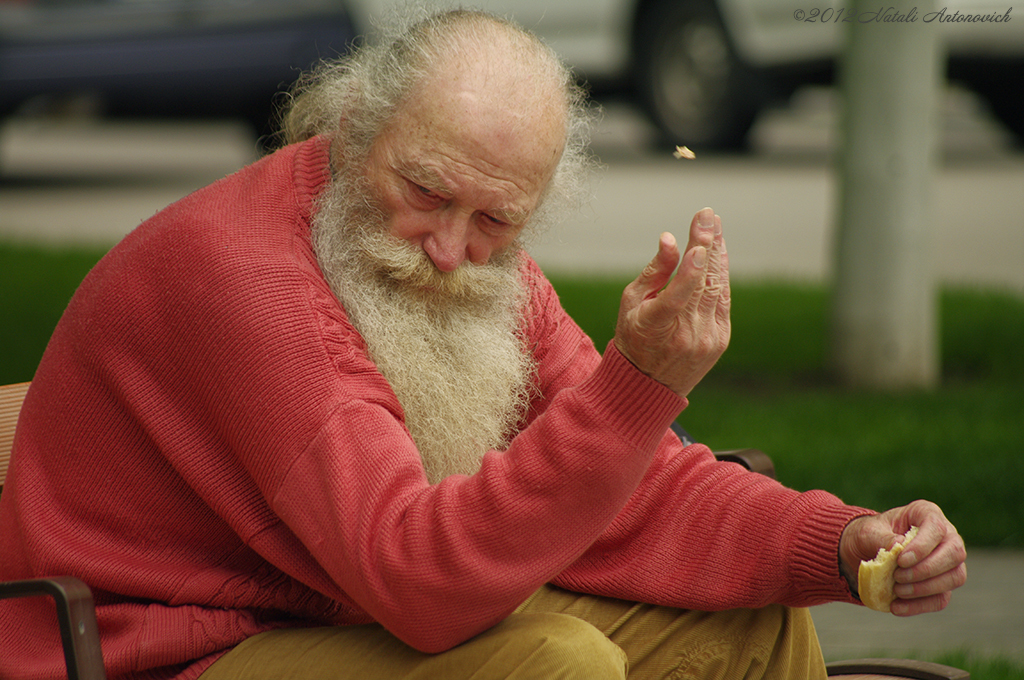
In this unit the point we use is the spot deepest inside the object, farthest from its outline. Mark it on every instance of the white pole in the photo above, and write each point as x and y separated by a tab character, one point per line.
884	317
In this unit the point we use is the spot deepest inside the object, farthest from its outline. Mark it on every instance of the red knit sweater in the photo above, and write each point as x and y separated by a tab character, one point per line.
208	446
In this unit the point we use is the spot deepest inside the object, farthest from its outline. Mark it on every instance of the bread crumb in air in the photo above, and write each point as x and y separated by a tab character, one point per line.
683	152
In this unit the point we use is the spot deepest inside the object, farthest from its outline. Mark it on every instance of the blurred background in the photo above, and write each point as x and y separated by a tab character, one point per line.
169	94
701	70
112	109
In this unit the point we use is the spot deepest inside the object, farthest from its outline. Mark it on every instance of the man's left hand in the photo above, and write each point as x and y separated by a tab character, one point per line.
930	567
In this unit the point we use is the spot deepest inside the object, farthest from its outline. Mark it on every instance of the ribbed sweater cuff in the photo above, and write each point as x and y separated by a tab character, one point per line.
635	405
815	557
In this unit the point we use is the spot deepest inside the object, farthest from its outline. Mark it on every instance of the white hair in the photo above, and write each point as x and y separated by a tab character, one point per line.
366	87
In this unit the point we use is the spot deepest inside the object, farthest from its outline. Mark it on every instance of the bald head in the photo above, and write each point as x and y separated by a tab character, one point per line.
490	100
470	68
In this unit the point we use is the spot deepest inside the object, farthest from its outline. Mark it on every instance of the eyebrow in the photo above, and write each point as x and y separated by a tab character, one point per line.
429	179
425	177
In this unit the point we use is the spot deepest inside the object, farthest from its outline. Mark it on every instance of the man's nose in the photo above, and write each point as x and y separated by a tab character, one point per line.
454	241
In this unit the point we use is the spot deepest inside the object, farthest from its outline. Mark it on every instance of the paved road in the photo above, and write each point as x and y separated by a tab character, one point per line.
92	182
986	617
89	182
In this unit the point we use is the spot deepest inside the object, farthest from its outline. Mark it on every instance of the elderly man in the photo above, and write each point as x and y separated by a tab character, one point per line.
325	419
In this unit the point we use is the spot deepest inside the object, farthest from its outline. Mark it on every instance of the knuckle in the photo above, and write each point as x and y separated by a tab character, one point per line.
707	345
631	294
632	287
960	576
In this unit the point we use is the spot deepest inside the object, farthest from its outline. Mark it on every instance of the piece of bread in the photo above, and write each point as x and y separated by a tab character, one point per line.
875	578
683	152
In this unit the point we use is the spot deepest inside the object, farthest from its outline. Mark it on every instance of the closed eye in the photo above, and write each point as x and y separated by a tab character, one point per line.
425	195
507	219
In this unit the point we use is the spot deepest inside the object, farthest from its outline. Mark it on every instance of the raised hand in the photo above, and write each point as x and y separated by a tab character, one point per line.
674	329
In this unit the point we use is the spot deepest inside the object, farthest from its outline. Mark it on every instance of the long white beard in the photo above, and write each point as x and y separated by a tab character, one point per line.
450	344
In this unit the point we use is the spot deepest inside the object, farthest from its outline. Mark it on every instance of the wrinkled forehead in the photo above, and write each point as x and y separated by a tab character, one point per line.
504	119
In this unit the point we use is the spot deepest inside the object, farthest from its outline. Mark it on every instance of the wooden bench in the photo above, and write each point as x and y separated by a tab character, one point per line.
11	397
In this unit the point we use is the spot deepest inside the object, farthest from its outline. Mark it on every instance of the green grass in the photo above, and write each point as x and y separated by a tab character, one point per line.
35	286
983	668
979	666
961	445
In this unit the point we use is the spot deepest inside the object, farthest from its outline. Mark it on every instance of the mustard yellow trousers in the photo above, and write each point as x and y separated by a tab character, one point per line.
555	634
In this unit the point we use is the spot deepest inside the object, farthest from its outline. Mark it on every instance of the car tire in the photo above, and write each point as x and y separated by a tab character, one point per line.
688	77
1006	101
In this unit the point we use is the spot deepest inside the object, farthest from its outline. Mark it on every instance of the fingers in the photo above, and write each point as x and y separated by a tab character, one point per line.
674	328
930	567
928	586
702	229
924	605
717	284
714	301
656	274
682	292
933	563
703	269
922	596
648	289
935	532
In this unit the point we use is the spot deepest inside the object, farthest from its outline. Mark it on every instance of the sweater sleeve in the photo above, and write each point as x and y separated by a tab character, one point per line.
438	564
701	534
698	533
593	493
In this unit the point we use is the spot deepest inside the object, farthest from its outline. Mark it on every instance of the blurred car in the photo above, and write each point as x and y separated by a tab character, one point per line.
165	58
701	69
